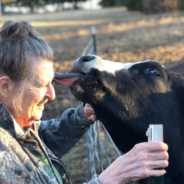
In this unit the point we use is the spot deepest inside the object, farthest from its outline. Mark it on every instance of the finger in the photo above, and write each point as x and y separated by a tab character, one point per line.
153	146
144	173
92	118
163	155
158	164
88	112
89	108
88	105
158	172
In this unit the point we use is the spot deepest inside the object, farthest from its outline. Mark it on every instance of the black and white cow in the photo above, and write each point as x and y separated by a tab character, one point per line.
128	97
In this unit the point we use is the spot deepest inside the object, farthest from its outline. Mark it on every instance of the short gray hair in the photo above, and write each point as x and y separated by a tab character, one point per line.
18	43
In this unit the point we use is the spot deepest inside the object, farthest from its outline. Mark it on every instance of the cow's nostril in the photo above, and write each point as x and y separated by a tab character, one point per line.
86	58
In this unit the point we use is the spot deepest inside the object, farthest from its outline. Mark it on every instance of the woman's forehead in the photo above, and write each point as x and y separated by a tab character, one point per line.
42	69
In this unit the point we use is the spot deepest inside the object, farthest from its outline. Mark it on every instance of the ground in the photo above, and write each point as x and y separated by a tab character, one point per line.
121	36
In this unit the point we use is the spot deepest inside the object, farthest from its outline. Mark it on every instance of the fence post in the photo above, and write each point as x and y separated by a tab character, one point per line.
90	49
93	32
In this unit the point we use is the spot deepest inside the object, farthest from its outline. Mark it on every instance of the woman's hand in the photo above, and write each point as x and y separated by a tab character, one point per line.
140	162
89	112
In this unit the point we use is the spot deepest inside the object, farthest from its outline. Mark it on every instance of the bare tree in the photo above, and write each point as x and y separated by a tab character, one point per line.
159	6
30	3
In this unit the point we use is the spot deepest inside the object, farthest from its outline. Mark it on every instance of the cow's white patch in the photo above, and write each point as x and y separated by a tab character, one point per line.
113	67
108	66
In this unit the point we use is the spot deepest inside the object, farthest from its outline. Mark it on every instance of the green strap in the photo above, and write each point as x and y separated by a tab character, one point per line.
58	175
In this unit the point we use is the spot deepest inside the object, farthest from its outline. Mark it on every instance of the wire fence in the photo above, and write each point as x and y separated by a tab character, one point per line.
98	141
90	48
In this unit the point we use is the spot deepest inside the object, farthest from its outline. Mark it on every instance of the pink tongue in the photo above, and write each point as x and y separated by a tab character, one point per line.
67	82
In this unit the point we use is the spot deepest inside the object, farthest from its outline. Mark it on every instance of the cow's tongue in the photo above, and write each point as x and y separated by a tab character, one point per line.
66	79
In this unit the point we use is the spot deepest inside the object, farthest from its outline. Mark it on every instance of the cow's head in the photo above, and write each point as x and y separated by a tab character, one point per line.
128	83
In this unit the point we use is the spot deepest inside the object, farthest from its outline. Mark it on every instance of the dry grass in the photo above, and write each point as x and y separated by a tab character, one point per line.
121	36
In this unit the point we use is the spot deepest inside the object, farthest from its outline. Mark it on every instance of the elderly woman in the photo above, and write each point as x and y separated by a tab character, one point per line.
30	149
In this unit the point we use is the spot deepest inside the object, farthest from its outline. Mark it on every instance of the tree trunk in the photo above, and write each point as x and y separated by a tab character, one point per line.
2	8
60	7
152	6
31	5
181	5
31	9
75	5
171	5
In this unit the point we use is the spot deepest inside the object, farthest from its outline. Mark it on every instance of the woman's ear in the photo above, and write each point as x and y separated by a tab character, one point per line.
6	86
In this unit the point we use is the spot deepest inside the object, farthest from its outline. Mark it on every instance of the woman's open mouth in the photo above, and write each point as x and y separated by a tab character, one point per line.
66	79
41	107
41	104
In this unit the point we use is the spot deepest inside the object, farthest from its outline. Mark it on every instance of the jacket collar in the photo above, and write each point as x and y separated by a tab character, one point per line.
7	118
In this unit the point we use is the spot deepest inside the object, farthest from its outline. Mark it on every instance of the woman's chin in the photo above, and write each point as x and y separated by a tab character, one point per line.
37	116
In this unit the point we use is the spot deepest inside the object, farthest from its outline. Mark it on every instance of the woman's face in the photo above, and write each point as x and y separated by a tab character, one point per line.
38	90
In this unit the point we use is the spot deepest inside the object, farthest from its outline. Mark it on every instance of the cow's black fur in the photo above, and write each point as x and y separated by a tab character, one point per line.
130	100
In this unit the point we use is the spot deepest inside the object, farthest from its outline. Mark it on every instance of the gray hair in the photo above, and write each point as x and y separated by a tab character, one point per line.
19	42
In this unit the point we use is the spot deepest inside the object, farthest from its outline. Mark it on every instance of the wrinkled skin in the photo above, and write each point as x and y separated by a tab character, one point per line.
140	162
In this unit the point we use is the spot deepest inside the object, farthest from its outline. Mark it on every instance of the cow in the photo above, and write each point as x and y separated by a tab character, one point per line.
127	97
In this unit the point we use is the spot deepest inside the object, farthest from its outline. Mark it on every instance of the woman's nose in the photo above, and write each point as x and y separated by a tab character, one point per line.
50	92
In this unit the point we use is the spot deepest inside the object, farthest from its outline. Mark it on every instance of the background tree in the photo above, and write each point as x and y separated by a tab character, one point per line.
159	6
31	3
181	4
108	3
75	3
59	3
147	6
5	3
130	4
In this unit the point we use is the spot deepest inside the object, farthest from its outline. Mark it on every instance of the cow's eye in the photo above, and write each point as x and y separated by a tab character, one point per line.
155	72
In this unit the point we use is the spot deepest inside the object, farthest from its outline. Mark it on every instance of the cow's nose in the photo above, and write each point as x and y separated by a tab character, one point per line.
86	58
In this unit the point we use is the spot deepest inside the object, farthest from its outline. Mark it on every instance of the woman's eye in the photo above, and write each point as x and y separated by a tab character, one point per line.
155	72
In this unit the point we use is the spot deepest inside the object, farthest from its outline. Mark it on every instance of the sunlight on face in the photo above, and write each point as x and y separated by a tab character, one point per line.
38	90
